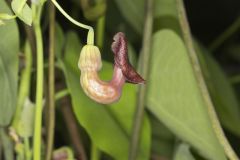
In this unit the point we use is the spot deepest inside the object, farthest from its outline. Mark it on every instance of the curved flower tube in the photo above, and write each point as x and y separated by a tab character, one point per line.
90	63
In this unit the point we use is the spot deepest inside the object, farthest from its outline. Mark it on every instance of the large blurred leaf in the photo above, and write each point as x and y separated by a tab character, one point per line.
174	96
108	126
221	91
9	47
183	153
133	12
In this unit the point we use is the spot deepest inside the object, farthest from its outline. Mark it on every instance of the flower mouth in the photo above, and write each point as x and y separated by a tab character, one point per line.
119	48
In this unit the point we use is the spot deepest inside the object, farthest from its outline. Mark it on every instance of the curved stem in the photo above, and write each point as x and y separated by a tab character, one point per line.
201	83
39	89
139	114
90	38
51	88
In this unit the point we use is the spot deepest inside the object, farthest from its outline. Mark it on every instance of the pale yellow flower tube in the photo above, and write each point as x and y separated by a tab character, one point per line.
100	91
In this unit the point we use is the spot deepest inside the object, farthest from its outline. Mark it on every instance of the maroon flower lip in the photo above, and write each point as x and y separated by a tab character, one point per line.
119	48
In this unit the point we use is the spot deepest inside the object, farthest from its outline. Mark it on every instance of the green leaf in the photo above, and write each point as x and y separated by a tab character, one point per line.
9	47
174	96
108	126
183	153
22	10
133	12
223	96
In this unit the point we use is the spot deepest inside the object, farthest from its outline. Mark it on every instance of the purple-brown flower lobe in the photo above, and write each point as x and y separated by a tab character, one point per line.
119	48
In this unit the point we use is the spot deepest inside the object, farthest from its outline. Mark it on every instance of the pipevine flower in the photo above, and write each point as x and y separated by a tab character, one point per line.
90	63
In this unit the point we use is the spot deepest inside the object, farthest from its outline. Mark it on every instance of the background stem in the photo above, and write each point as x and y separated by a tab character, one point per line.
100	31
201	83
233	28
95	154
51	84
146	52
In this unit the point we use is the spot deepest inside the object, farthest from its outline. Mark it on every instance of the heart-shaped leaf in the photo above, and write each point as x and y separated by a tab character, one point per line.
174	96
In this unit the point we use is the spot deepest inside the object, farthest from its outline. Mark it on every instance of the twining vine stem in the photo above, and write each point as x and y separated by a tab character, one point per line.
201	83
39	89
146	52
90	38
